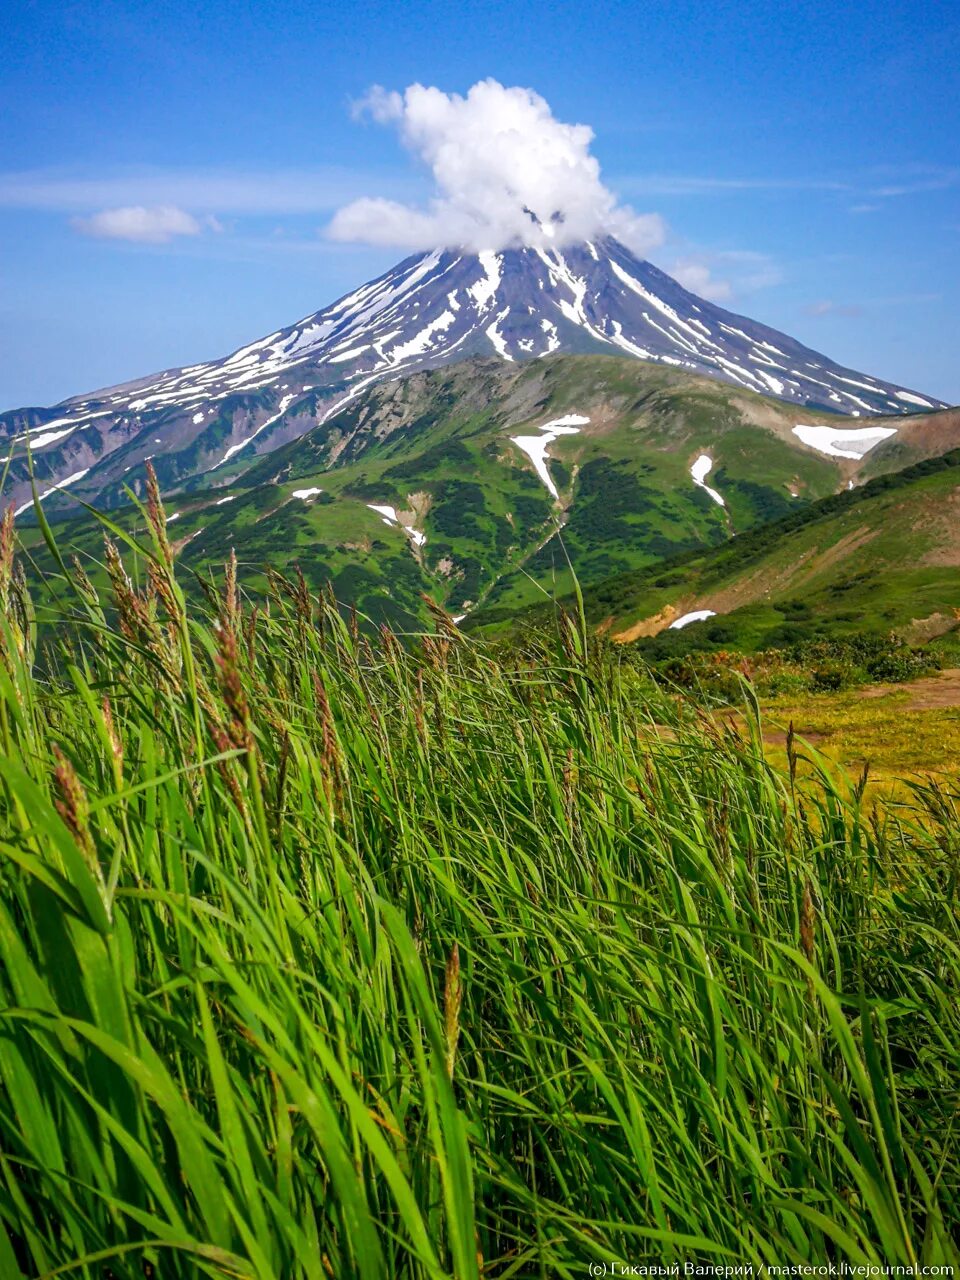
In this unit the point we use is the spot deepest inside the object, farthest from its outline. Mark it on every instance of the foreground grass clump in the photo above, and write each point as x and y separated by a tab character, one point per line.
323	956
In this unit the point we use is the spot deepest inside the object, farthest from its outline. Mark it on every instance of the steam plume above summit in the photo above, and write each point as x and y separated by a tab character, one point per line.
506	173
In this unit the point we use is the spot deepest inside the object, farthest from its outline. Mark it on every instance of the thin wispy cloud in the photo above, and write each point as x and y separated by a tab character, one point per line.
915	180
141	224
905	300
241	192
726	274
698	277
658	184
827	307
878	183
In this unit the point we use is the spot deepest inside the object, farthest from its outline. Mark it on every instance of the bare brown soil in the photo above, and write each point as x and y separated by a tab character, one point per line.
778	737
649	626
930	693
927	435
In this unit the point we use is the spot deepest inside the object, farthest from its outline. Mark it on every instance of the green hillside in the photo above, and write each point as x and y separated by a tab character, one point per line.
476	526
873	560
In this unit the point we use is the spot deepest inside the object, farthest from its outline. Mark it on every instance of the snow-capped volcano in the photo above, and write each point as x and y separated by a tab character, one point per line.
517	304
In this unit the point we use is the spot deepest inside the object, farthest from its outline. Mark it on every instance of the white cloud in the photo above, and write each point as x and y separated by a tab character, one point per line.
724	274
505	171
697	277
879	182
141	224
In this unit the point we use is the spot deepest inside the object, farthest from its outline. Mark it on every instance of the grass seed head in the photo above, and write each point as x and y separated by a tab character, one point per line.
330	747
73	807
231	688
157	516
6	558
116	745
230	612
445	625
133	611
80	577
808	922
452	1001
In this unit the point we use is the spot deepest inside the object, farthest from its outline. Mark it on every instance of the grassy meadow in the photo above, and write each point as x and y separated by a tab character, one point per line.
324	954
897	741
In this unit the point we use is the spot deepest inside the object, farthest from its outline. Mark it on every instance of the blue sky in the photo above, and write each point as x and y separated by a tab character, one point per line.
803	158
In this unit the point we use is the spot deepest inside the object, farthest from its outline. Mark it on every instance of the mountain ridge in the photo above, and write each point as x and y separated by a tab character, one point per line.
475	482
214	418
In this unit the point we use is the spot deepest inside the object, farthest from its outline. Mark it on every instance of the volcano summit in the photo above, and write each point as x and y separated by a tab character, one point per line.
431	309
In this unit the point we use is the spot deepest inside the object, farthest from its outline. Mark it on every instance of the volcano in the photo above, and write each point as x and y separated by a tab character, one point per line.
431	309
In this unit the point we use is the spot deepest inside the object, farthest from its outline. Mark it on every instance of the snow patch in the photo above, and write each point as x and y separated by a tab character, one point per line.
422	340
297	493
641	352
912	399
390	517
699	472
698	615
866	386
235	448
48	437
839	442
57	422
497	339
77	475
485	290
553	338
388	514
535	447
349	355
660	305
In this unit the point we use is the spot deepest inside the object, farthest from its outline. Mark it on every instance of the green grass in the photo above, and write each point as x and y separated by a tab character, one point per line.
325	957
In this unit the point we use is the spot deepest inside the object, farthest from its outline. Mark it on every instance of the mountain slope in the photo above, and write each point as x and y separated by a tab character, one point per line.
881	558
476	481
215	418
